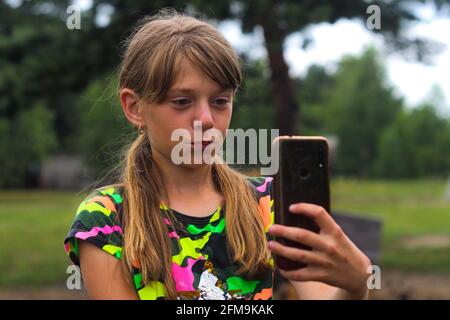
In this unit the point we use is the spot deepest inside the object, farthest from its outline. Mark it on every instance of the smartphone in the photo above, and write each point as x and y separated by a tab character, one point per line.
303	176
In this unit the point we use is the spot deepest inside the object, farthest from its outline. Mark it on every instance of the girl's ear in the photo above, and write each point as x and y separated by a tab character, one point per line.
130	102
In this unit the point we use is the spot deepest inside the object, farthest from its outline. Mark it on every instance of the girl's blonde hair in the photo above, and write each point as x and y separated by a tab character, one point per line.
149	67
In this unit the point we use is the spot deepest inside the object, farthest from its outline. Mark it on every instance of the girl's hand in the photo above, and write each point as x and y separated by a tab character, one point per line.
334	258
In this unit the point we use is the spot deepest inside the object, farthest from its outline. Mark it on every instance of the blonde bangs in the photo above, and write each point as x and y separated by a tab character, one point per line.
166	44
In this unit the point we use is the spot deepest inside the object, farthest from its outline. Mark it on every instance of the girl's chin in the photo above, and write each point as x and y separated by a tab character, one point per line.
194	166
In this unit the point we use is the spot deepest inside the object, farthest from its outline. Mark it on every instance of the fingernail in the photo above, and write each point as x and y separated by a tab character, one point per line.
291	207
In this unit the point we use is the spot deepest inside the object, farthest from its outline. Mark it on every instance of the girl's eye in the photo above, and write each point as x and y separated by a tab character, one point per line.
221	102
181	102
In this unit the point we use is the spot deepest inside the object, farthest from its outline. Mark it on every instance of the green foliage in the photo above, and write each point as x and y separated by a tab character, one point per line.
359	108
34	126
25	144
103	130
313	91
378	136
253	105
5	162
416	144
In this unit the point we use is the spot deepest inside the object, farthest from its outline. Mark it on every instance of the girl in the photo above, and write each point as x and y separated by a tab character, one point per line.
194	231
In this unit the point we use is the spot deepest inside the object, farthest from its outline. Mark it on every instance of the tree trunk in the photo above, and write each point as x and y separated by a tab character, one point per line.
286	105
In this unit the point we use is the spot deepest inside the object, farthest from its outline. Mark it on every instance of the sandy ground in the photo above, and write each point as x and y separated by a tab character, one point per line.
426	241
398	285
394	285
45	293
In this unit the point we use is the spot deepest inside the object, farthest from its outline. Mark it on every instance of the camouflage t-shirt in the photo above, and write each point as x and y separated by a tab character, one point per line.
201	266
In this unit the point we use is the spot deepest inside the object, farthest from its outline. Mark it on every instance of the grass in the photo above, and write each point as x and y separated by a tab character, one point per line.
407	209
34	223
32	227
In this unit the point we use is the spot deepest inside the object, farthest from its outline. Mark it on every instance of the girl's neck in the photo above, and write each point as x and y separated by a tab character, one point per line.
184	181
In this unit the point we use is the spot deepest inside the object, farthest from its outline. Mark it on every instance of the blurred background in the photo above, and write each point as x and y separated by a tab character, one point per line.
374	80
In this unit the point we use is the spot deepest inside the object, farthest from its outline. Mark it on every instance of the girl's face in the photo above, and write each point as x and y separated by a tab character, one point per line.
194	97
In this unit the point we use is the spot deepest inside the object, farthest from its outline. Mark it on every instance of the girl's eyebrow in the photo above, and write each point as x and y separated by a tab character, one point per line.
190	91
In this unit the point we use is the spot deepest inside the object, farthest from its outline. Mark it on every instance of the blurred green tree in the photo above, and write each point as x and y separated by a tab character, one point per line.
25	144
359	108
253	107
313	90
103	129
415	145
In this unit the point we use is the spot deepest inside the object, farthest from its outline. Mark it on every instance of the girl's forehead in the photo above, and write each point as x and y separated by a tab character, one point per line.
190	77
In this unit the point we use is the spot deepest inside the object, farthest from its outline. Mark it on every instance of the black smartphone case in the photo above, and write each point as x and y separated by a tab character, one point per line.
302	177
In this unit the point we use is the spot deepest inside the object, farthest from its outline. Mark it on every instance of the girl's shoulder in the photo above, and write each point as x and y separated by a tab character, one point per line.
106	199
113	192
97	221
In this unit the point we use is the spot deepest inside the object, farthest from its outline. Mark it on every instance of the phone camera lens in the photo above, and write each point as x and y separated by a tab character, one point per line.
304	173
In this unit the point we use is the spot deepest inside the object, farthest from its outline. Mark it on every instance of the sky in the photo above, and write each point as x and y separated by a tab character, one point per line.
411	80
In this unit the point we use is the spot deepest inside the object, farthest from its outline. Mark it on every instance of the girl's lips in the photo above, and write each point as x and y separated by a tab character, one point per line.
202	144
205	143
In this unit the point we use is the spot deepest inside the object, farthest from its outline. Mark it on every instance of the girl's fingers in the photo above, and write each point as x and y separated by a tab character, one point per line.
299	235
295	254
309	273
318	213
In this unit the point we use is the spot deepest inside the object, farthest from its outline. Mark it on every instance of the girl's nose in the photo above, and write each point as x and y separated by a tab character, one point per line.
205	116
